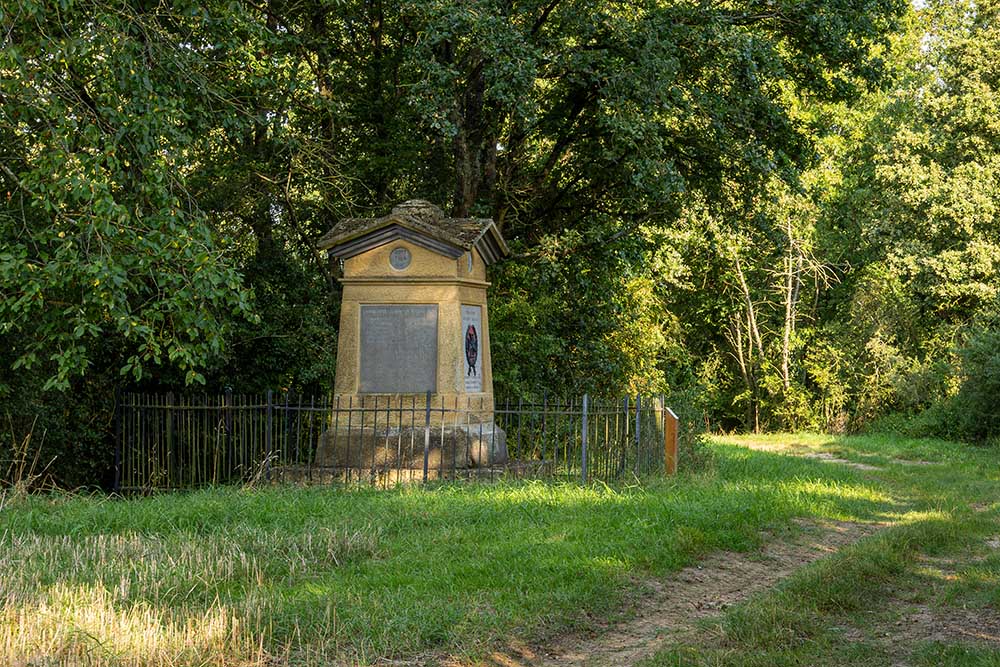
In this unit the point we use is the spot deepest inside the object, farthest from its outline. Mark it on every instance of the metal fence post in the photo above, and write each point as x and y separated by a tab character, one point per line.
638	407
427	435
583	441
172	457
285	443
229	453
268	444
660	422
545	415
118	441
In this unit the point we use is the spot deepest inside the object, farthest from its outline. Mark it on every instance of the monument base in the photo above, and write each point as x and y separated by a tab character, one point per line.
481	445
308	475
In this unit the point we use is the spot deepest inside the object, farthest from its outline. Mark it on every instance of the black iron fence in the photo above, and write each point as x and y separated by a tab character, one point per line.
171	442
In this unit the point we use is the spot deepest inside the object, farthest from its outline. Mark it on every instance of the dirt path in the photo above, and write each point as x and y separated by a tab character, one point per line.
825	457
674	606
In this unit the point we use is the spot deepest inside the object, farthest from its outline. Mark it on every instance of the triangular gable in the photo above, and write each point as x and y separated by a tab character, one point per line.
383	235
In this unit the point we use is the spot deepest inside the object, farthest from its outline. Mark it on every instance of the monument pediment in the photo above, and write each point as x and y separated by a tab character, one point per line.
420	223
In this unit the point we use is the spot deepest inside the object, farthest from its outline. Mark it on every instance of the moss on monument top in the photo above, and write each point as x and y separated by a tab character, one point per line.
421	217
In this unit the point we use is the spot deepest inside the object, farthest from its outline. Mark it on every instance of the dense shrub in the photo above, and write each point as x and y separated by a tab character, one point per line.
65	436
976	407
972	411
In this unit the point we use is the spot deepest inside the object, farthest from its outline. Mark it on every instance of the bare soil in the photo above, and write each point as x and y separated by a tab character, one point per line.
673	607
830	458
947	624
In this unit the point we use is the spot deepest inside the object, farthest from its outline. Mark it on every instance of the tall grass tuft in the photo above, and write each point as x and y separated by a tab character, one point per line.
24	473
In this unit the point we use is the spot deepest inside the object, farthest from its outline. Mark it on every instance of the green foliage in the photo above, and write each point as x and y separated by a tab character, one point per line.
591	314
935	224
98	234
69	439
894	234
292	345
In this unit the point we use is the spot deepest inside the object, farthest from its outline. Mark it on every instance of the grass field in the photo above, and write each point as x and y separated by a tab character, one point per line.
336	576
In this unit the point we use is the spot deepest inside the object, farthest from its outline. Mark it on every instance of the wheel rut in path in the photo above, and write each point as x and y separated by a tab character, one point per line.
673	606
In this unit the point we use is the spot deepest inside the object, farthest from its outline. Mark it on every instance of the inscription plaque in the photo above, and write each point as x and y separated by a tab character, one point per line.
472	348
398	349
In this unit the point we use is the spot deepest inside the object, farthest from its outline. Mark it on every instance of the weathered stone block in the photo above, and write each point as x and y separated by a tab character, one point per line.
487	444
465	446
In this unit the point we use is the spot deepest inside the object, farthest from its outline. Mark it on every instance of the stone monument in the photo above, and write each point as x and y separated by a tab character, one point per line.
414	320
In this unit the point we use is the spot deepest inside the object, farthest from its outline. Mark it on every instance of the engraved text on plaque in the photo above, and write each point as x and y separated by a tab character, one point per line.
398	349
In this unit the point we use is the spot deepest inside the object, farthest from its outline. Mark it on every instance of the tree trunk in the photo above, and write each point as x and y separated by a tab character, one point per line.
754	344
753	330
474	146
792	289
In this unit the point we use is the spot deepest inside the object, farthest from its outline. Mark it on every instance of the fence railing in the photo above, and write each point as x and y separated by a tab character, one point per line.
172	442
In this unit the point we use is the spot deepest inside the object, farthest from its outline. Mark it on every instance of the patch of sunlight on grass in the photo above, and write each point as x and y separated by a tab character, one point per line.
925	516
889	447
835	499
778	441
179	567
606	563
976	585
836	489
